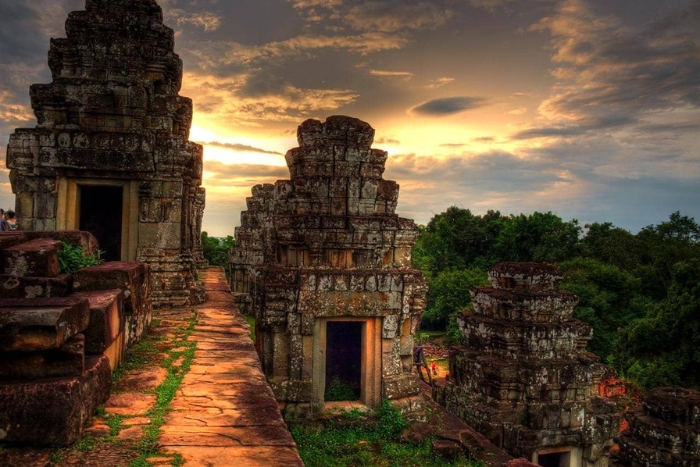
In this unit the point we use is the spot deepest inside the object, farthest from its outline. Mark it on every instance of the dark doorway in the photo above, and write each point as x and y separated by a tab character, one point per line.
101	215
554	459
343	360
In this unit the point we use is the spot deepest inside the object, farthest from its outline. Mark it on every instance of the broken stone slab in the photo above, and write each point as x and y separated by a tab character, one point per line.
42	323
133	278
38	257
12	286
674	405
106	318
53	412
72	237
69	360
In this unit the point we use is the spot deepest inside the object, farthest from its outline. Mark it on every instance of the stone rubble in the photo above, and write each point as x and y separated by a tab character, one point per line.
665	432
58	348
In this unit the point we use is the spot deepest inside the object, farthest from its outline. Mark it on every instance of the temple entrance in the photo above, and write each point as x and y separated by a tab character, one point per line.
343	360
554	459
347	350
101	215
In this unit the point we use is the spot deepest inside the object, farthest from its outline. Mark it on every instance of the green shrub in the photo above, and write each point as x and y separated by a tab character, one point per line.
371	440
339	391
391	422
74	257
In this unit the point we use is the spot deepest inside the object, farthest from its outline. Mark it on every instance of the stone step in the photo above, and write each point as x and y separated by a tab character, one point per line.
37	258
134	279
35	287
105	333
29	325
69	360
53	411
11	238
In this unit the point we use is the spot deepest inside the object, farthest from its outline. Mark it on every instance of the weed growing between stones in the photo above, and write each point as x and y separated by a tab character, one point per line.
357	438
136	357
56	457
183	354
85	444
175	354
251	322
354	414
74	257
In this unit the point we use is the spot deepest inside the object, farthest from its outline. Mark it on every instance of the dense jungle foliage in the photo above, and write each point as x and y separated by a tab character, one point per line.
640	292
216	250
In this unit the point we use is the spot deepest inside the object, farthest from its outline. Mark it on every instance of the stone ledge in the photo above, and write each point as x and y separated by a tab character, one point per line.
53	412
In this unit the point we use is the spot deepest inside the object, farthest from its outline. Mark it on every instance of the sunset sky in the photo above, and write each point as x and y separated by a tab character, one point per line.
586	108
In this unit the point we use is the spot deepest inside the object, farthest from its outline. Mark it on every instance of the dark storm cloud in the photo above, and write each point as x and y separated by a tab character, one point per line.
614	77
511	173
448	106
493	180
386	141
241	147
595	124
607	68
670	127
245	175
389	16
396	15
18	37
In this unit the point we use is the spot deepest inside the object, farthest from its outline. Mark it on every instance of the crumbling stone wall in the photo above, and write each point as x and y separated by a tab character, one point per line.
664	432
524	378
61	335
326	245
112	116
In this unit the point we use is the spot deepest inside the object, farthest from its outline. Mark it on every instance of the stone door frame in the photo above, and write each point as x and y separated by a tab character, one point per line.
371	372
68	208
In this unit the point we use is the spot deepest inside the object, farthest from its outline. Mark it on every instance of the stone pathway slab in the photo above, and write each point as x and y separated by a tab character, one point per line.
225	413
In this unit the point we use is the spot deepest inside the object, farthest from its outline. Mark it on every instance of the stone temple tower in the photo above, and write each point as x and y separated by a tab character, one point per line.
524	378
325	264
110	153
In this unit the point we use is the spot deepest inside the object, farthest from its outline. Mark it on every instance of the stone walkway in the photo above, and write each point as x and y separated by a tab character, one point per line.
225	413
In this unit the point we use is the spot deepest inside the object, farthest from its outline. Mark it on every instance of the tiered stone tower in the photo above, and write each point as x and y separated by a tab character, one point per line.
110	153
325	264
665	432
524	378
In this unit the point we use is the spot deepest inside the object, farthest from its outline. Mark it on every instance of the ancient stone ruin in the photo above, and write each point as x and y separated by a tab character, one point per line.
61	335
524	378
110	154
665	432
325	265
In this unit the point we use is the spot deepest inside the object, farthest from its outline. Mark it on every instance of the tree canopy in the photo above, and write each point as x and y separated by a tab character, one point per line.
640	292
